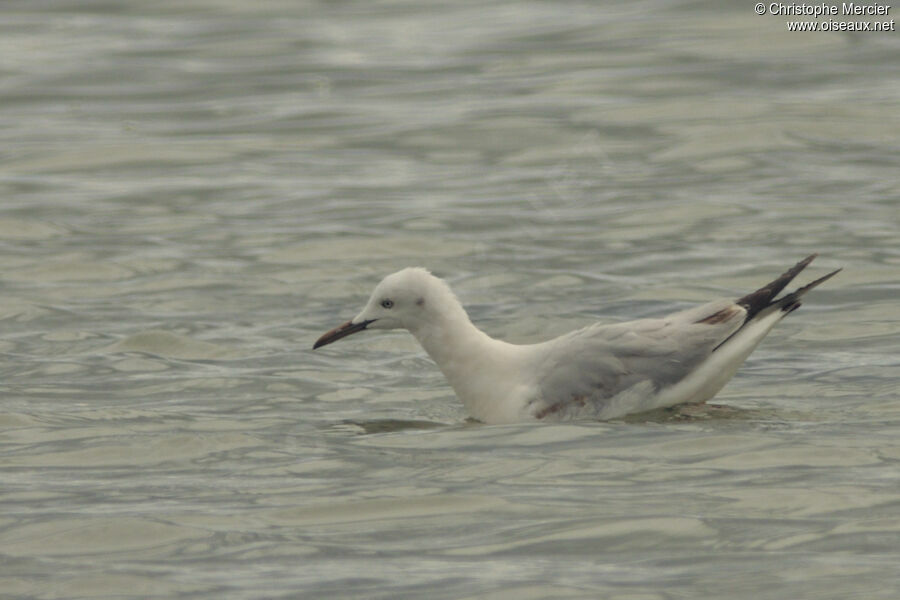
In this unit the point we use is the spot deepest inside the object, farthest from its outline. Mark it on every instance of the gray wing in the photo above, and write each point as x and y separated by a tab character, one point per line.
581	370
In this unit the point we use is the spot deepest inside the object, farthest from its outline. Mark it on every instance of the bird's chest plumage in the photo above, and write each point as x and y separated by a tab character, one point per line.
491	393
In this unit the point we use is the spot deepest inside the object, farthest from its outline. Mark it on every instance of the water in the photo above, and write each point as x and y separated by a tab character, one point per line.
191	192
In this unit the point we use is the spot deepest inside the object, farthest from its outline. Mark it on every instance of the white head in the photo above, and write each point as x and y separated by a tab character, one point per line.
408	299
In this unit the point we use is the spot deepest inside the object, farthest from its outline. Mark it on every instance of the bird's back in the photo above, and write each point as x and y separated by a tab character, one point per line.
583	371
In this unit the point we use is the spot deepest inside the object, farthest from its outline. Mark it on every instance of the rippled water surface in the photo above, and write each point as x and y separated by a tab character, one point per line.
191	192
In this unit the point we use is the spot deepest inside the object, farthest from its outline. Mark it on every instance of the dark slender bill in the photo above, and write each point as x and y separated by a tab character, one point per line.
339	332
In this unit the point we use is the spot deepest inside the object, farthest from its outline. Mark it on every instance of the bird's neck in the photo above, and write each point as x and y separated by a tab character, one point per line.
471	361
451	340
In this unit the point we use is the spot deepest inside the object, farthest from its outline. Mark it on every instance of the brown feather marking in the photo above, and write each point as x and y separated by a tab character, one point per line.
720	317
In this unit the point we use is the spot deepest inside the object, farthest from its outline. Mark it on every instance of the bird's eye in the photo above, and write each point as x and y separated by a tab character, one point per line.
387	303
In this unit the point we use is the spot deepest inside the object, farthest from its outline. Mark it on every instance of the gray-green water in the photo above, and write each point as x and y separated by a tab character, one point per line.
191	192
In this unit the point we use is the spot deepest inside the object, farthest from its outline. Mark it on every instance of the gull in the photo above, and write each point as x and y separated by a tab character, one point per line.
599	372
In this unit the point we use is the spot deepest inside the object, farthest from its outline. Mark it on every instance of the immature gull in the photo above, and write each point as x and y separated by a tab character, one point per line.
599	372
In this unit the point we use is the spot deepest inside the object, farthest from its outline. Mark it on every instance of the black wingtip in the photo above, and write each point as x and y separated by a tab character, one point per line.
791	302
756	301
762	299
811	285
